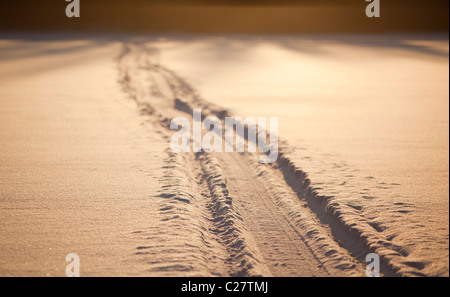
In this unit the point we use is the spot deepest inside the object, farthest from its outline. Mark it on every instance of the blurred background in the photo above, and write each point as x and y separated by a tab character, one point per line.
227	16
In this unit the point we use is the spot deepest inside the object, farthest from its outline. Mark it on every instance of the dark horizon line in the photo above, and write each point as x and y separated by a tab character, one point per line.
113	16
